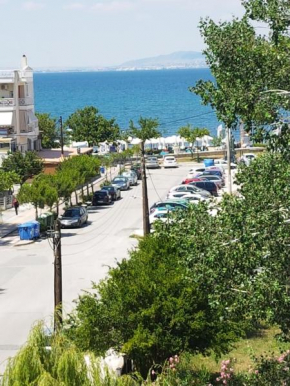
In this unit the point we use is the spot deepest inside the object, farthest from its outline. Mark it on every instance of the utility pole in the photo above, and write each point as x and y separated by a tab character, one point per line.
57	275
146	224
229	160
61	135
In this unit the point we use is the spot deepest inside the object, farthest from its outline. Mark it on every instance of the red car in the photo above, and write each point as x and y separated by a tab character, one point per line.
188	180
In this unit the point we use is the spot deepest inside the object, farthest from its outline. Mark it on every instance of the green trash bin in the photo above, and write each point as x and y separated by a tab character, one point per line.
46	221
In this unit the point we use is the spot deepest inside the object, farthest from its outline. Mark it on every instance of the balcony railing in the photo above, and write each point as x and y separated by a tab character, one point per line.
6	74
4	102
25	101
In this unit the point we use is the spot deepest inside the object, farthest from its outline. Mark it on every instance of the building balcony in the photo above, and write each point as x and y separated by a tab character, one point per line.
7	102
10	102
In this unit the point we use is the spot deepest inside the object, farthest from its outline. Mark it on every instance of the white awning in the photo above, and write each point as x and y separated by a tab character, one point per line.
6	119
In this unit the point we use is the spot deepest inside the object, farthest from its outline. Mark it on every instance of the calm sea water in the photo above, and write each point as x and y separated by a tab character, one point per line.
128	95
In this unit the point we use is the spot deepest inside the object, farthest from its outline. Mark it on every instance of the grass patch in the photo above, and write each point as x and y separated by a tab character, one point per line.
244	351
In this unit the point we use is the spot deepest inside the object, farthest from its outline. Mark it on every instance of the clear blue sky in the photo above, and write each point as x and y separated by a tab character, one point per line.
85	33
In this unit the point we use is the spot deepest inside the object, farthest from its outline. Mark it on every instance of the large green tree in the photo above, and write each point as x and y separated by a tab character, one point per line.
246	65
40	193
25	165
88	125
48	130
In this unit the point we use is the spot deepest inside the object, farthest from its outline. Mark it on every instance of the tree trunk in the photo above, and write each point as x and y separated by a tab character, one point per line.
36	212
76	197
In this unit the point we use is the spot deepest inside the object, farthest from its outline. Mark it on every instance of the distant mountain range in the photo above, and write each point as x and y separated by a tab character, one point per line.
181	59
176	60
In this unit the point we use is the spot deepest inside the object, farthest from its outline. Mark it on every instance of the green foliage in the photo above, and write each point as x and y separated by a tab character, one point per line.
191	134
158	308
25	165
245	65
87	125
7	180
49	133
147	129
40	192
216	141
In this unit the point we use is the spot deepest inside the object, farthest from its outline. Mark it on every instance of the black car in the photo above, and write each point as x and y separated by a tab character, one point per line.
206	185
137	169
114	192
101	197
74	216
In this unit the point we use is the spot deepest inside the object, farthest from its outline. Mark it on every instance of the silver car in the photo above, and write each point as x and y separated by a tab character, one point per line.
152	163
132	176
121	182
74	216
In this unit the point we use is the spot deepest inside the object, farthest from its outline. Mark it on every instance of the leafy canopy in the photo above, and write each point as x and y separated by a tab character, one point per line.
88	125
245	65
7	180
147	129
25	165
49	132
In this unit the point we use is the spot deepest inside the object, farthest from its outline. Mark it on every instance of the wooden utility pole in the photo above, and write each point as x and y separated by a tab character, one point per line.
61	136
229	160
146	224
57	275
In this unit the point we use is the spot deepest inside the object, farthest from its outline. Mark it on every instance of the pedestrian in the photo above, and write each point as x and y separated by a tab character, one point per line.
15	203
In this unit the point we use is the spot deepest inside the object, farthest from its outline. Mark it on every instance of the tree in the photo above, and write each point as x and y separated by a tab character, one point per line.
147	129
191	134
245	67
87	125
40	193
49	133
25	165
7	180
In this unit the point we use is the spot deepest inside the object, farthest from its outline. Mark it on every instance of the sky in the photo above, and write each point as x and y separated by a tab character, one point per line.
91	33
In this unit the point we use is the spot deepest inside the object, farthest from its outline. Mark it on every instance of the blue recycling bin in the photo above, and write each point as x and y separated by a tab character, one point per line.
102	169
208	162
29	230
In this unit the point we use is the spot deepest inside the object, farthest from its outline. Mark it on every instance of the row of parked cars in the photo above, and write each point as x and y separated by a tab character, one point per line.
76	216
200	184
168	162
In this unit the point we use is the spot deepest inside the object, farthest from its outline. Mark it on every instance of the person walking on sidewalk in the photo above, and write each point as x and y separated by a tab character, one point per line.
15	203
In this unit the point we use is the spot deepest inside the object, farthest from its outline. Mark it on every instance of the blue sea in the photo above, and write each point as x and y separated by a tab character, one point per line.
125	96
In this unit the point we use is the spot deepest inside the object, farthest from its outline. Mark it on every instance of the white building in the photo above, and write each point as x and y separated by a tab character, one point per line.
18	124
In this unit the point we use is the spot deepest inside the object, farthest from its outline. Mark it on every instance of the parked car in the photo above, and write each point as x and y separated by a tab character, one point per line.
132	177
121	182
224	163
170	162
185	195
152	163
187	180
206	185
137	169
195	172
213	173
74	216
247	158
216	179
169	205
101	197
190	188
160	215
113	191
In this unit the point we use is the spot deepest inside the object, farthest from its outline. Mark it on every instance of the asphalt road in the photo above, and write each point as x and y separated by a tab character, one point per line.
26	272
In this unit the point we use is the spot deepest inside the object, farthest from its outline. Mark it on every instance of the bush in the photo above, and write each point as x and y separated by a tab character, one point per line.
105	183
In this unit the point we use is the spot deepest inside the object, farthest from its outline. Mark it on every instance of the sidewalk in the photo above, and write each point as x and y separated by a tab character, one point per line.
9	221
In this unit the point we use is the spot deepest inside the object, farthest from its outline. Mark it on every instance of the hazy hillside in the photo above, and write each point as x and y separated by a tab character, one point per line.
180	59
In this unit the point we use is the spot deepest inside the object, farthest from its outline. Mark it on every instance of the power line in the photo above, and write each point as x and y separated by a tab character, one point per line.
185	119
